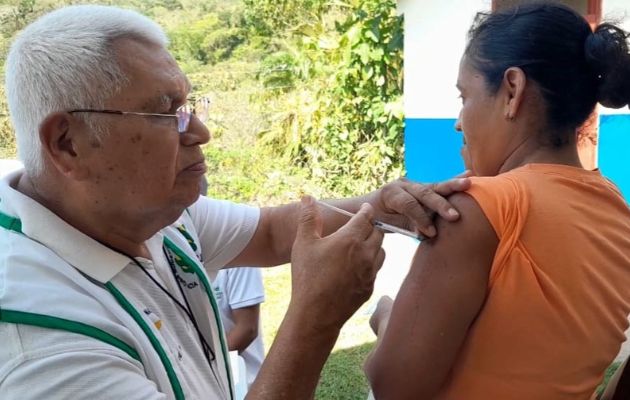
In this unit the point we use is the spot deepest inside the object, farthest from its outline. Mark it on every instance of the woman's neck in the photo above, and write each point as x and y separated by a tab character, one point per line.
532	152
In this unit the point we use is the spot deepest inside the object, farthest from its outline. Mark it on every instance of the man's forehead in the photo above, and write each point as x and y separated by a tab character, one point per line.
151	66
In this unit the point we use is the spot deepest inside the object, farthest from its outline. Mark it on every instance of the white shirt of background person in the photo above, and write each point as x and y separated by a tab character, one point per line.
239	289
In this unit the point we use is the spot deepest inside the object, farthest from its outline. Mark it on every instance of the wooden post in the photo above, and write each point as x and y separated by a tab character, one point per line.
588	134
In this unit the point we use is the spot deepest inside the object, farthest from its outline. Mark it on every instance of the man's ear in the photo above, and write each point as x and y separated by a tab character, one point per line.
514	82
62	143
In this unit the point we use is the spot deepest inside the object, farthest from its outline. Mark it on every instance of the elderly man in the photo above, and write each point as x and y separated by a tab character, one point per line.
106	246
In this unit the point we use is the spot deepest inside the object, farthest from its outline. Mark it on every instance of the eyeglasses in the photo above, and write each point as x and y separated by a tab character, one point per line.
183	114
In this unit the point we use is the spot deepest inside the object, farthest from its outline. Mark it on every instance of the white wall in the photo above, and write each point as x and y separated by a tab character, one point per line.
616	11
435	37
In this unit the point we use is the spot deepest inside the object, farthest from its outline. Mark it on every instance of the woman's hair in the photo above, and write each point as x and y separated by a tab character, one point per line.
66	60
573	66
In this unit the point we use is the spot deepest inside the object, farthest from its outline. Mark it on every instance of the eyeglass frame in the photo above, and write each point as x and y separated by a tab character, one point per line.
183	117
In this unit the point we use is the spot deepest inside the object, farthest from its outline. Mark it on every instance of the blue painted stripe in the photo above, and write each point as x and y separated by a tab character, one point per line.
614	150
432	149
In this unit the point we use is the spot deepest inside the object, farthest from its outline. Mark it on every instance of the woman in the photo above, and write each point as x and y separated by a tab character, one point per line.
526	297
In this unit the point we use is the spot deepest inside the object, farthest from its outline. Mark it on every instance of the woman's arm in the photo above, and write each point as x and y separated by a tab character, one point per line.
438	301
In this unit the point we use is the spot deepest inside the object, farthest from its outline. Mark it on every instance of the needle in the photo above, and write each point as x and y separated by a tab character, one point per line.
378	224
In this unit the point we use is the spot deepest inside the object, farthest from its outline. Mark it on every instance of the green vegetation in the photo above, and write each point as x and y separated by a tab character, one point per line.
307	92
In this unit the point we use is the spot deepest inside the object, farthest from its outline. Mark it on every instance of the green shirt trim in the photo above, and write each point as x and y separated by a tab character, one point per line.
10	223
47	321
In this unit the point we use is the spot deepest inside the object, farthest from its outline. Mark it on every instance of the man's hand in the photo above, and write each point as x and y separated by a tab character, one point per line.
412	206
332	276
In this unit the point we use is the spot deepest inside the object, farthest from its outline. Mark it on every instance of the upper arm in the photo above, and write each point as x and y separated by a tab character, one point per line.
78	374
224	229
438	301
274	236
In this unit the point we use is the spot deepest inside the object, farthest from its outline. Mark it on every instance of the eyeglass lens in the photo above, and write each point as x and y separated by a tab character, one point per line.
184	113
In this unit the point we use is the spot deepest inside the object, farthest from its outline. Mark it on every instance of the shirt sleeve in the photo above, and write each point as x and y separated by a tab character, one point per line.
78	375
224	229
244	287
505	203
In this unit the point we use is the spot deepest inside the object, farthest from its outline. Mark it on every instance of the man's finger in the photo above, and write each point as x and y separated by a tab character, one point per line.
433	196
418	203
451	186
310	221
360	225
375	240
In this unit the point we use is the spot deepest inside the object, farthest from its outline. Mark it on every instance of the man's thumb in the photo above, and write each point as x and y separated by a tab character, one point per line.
310	221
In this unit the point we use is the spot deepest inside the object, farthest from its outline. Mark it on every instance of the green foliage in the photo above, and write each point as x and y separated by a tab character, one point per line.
7	140
344	123
243	174
270	17
277	71
205	41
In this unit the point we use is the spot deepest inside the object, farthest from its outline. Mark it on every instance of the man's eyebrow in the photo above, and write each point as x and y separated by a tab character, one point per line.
157	103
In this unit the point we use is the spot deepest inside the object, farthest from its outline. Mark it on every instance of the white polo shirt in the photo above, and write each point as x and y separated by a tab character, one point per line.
80	321
236	288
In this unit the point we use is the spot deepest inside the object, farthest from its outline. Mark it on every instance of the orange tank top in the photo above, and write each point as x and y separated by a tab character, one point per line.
559	287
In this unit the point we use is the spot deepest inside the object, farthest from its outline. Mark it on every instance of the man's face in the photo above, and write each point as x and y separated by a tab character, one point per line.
143	165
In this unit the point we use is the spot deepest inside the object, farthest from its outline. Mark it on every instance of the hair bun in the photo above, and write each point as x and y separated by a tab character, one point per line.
606	52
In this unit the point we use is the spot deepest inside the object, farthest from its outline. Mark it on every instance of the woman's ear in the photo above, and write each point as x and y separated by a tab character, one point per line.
61	144
514	82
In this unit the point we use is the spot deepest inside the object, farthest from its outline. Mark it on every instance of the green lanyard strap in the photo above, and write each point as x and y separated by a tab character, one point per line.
184	258
126	305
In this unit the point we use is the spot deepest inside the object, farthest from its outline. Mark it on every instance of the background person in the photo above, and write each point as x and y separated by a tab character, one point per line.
240	292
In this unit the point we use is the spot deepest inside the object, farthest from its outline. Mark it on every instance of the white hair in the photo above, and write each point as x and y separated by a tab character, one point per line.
66	60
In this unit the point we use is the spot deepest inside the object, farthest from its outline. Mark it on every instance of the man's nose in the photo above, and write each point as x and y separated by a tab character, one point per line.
197	133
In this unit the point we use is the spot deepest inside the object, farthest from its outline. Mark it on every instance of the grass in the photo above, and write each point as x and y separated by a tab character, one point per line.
342	377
